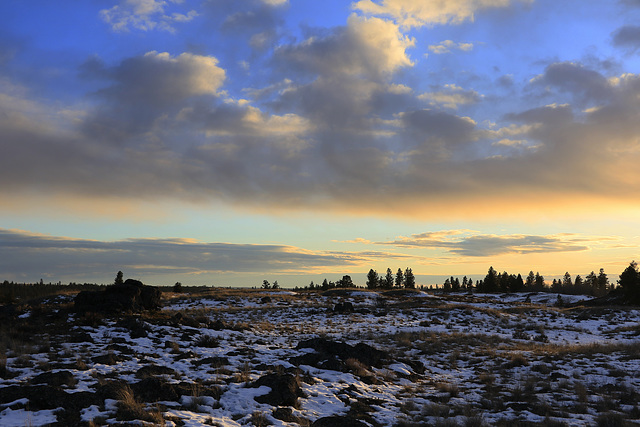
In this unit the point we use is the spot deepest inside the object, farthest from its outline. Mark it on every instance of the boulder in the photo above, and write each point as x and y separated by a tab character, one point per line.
285	389
132	295
329	352
343	307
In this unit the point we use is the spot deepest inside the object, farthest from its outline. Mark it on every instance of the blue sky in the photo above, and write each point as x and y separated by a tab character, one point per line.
218	142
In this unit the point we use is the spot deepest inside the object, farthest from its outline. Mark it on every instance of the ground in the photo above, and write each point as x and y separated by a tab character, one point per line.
252	357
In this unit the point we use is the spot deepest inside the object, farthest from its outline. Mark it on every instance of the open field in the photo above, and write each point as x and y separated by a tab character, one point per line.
251	357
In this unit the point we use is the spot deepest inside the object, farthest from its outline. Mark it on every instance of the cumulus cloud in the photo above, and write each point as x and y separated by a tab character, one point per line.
417	13
371	47
63	257
468	243
145	15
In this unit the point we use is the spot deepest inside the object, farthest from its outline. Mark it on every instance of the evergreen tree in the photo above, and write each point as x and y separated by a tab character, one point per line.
388	279
409	279
591	283
490	283
372	279
530	281
603	282
177	288
539	283
630	283
119	280
275	285
325	285
455	285
266	284
399	279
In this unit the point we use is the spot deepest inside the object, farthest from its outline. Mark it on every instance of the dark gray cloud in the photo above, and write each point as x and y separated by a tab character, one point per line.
465	243
37	255
585	84
627	37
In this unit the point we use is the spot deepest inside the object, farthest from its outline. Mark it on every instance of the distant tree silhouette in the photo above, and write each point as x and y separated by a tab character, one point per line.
490	282
630	283
538	284
275	285
345	282
372	279
603	282
530	281
119	280
266	284
399	279
177	288
388	279
409	279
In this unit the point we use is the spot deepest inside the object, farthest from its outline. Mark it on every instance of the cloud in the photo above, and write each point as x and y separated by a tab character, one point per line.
41	255
585	84
468	243
627	37
451	97
447	46
144	15
417	13
371	47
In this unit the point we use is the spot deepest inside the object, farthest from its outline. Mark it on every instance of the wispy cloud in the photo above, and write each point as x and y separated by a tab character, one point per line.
23	253
473	244
145	15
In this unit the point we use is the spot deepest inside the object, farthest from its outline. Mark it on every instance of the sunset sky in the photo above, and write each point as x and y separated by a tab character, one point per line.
223	142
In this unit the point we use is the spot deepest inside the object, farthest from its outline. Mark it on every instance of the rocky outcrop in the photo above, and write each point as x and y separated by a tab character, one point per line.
132	295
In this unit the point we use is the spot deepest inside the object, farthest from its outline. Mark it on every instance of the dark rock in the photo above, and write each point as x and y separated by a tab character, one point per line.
153	370
108	359
338	421
343	307
327	350
285	389
55	379
214	362
265	300
152	389
217	325
136	327
132	295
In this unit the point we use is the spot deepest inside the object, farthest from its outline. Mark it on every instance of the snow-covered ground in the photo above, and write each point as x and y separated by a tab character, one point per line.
204	360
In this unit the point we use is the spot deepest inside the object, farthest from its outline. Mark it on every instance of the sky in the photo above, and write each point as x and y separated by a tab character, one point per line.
222	143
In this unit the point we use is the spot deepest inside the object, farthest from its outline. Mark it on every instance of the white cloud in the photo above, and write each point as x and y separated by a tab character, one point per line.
451	97
447	46
417	13
145	15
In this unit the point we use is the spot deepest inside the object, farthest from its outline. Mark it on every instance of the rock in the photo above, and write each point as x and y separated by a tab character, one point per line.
343	307
265	300
337	420
55	379
132	295
108	359
328	351
285	389
153	370
152	389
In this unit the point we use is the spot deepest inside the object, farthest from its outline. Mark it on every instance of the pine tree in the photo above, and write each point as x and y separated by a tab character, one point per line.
372	279
409	279
399	279
603	282
630	283
490	283
119	280
388	279
530	281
